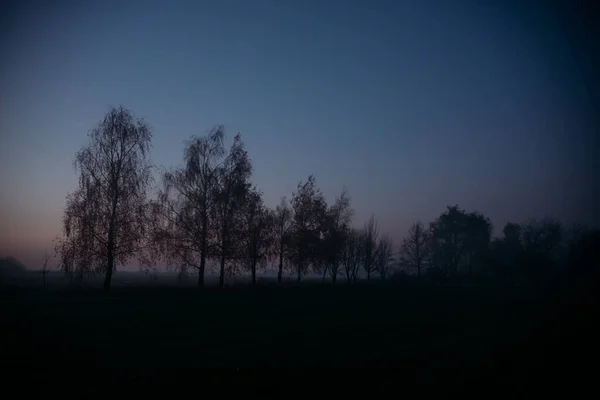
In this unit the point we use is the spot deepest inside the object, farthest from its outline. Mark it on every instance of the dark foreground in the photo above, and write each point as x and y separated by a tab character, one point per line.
427	333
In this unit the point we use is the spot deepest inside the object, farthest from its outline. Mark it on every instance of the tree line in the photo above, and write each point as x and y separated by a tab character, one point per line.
207	209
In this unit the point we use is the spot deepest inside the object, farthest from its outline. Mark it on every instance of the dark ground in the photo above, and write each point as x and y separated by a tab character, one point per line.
427	333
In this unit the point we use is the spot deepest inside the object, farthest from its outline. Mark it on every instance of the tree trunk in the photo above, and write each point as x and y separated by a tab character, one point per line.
224	248
222	271
253	272
203	254
334	277
201	272
111	245
280	272
110	256
369	274
324	273
299	272
109	271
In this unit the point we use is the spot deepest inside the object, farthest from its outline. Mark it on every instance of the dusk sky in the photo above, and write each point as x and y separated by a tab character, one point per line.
412	105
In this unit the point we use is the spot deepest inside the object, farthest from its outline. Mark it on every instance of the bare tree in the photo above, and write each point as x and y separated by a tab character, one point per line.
232	185
414	249
512	232
384	256
45	267
449	240
183	276
541	237
257	233
152	275
459	240
105	221
507	253
573	237
369	246
282	230
65	251
336	231
309	210
185	205
541	241
477	240
353	254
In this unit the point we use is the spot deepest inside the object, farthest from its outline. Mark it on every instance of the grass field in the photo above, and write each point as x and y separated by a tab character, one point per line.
423	330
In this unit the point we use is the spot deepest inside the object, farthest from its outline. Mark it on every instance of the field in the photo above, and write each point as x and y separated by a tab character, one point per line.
428	332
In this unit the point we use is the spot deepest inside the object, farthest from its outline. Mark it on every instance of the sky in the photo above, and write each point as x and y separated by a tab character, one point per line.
412	105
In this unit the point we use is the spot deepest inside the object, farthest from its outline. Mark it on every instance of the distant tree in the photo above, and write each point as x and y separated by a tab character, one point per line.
507	252
309	208
45	268
256	234
583	258
183	275
456	235
541	246
573	237
282	230
415	247
353	254
185	205
370	236
512	233
477	239
336	231
542	236
106	218
65	251
384	256
152	275
231	189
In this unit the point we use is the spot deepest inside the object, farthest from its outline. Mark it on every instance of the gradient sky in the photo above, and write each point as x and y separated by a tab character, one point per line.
413	105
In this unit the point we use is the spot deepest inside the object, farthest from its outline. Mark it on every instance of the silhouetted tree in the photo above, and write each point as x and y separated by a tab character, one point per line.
183	275
383	256
152	275
541	244
450	240
257	233
505	253
477	239
232	186
105	221
512	233
185	205
370	236
415	247
336	231
353	254
45	267
282	230
583	259
573	237
65	251
309	209
509	251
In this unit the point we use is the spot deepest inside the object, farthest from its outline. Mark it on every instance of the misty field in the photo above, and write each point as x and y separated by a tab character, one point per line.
420	329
